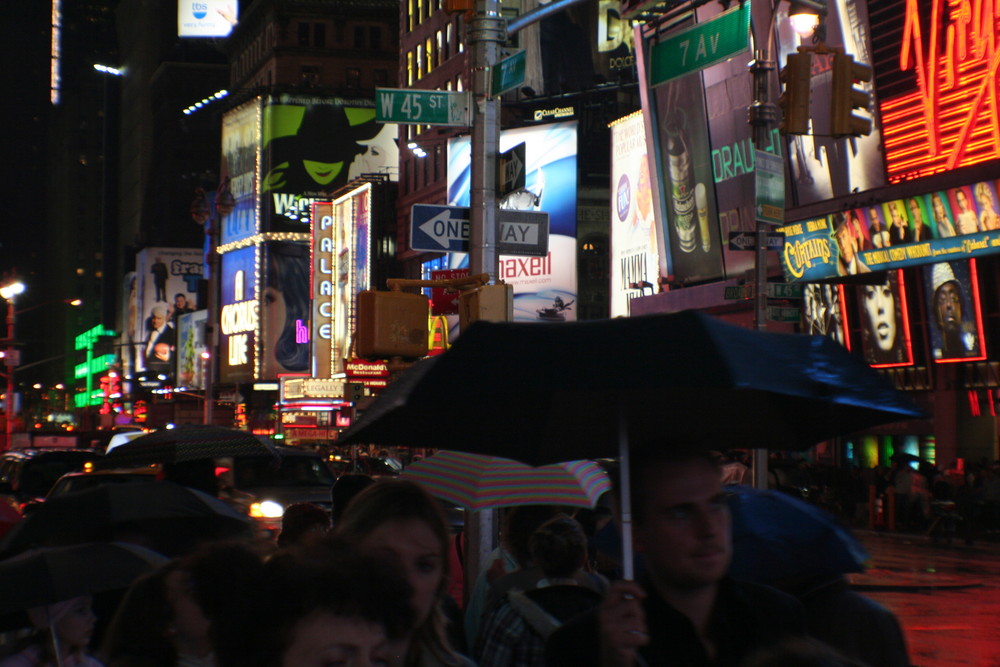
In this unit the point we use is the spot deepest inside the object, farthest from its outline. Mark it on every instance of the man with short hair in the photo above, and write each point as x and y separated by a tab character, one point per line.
685	610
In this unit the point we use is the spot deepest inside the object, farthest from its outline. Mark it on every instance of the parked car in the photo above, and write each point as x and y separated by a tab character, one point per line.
26	475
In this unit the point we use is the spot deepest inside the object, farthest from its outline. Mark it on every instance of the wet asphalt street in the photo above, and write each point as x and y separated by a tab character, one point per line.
947	597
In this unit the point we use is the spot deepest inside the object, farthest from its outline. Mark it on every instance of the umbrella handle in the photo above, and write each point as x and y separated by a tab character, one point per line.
625	484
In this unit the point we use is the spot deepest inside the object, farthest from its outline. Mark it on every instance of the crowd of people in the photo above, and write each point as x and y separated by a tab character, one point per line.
380	583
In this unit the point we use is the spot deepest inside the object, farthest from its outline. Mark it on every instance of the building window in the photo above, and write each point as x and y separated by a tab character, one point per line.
310	74
409	68
410	14
381	77
303	34
441	48
429	45
359	37
353	77
319	34
420	61
375	37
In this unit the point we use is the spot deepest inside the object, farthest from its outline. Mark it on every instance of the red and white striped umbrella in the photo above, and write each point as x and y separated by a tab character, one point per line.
477	481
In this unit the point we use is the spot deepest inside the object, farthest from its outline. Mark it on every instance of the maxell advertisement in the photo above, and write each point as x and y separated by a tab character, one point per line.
957	223
312	147
340	269
544	287
634	263
284	310
240	162
166	286
239	315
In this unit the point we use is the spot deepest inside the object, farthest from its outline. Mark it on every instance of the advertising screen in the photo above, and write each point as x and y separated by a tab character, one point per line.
634	263
166	286
824	312
284	310
935	71
957	223
191	343
544	287
340	269
206	18
954	317
239	172
885	322
238	316
312	147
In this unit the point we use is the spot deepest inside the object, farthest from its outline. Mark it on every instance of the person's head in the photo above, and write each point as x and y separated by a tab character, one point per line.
845	240
559	547
681	518
519	523
947	298
875	216
317	605
180	301
937	206
915	211
303	523
158	316
879	303
984	196
71	621
344	489
898	216
962	200
398	519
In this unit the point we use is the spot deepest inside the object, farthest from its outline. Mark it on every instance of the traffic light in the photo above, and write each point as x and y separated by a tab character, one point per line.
391	324
354	391
794	101
845	98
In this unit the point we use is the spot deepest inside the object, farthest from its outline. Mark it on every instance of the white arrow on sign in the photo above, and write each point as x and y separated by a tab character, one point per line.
444	230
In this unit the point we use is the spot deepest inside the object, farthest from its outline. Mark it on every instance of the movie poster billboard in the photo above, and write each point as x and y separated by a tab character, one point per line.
238	174
824	312
284	311
191	344
885	322
956	223
935	71
238	315
545	288
954	314
340	269
313	146
166	286
634	257
820	166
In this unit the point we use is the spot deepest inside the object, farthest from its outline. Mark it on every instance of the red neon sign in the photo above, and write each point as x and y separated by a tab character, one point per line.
953	118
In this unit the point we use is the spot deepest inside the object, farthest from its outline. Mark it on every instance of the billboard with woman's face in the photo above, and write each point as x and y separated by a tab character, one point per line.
885	326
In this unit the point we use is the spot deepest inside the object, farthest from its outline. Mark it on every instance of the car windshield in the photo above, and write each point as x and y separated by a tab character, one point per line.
250	473
42	471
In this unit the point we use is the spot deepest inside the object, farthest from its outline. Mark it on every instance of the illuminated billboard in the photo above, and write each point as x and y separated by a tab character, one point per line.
955	317
206	18
824	312
284	310
191	344
936	78
240	173
634	263
313	146
885	322
544	287
239	315
165	287
340	269
957	223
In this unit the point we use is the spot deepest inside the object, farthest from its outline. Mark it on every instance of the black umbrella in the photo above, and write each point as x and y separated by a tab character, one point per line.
168	517
41	577
543	393
188	443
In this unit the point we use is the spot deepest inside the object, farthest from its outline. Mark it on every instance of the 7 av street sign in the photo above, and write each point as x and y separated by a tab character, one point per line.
436	228
701	45
425	107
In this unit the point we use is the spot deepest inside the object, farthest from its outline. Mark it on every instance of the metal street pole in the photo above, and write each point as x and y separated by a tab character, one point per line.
9	406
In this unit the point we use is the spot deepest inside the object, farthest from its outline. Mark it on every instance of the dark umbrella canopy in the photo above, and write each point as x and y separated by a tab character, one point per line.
44	576
187	443
168	517
543	393
779	538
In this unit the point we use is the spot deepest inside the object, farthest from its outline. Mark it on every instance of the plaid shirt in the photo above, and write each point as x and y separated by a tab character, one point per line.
506	640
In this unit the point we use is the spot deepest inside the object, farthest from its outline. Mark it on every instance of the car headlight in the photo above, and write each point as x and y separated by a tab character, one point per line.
267	509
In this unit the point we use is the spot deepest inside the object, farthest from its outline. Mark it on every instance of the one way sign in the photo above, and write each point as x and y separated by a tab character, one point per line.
447	229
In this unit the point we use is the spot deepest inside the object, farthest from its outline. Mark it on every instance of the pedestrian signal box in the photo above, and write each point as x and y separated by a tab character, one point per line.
391	324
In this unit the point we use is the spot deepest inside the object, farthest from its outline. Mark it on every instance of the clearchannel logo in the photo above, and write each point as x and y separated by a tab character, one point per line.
199	10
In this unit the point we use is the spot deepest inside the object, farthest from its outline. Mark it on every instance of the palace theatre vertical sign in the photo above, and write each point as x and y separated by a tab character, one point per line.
936	71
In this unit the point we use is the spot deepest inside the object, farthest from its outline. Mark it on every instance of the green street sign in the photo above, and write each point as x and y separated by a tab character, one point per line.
784	290
508	73
780	314
700	46
769	177
423	107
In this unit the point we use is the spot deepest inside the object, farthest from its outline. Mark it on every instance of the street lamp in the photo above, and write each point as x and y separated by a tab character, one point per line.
9	292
